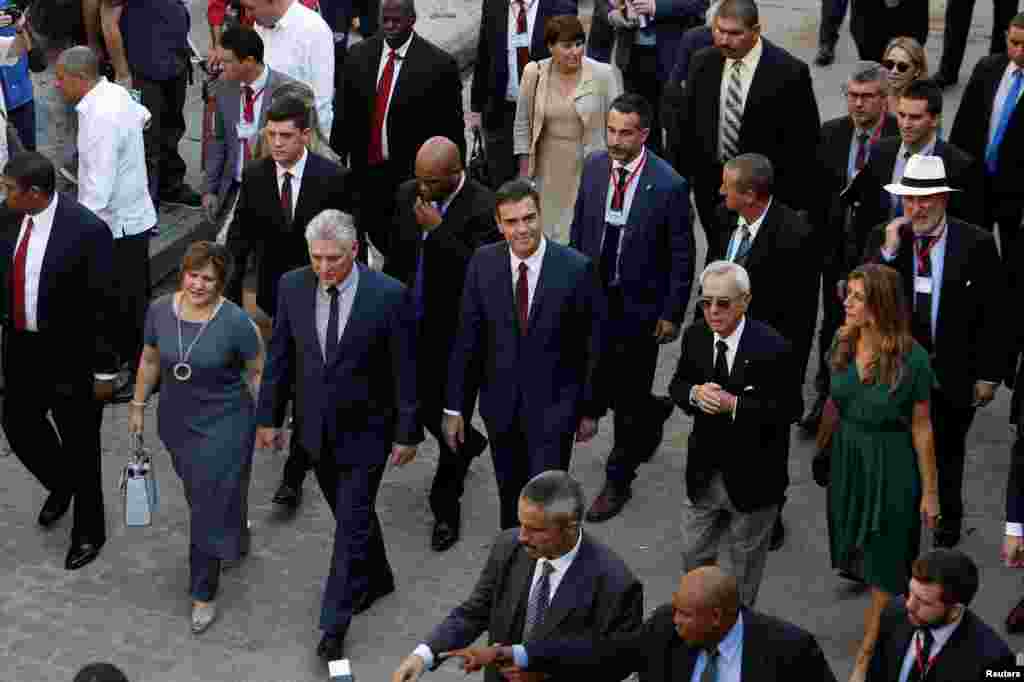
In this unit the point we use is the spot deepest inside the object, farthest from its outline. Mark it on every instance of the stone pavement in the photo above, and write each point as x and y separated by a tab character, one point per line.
131	606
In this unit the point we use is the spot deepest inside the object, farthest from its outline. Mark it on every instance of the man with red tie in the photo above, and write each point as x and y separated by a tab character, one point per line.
246	86
45	302
400	91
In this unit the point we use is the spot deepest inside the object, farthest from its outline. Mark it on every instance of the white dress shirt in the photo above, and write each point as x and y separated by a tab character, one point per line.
750	62
301	45
1001	93
296	170
941	635
732	343
384	55
346	297
112	178
730	656
258	87
753	228
42	225
6	43
634	169
512	89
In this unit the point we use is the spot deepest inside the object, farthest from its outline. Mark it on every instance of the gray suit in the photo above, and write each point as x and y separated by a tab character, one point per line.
223	147
599	596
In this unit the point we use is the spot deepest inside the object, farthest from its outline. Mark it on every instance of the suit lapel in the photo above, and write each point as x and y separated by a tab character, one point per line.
307	188
715	103
273	80
760	85
765	234
517	592
505	292
755	642
405	74
641	206
952	265
586	86
739	363
991	89
54	249
574	593
544	282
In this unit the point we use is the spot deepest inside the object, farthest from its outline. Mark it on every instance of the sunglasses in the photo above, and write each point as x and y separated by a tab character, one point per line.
898	67
706	302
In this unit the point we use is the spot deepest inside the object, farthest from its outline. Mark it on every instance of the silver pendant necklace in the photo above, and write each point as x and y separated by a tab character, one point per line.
182	371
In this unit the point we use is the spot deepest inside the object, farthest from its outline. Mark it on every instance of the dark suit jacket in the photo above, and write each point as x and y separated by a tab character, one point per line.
468	223
764	379
259	224
426	101
783	271
598	596
549	372
657	249
76	286
671	21
971	130
365	399
970	334
490	72
873	203
773	650
780	121
973	648
838	247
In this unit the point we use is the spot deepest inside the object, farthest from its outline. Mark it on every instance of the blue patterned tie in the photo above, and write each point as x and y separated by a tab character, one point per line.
538	604
1009	104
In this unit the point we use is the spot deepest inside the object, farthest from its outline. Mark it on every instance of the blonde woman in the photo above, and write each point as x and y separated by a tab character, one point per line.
560	119
906	62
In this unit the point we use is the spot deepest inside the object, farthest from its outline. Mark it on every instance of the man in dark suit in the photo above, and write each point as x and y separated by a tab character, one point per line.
279	195
918	112
530	336
545	579
1013	544
441	218
511	36
990	126
843	150
246	89
746	95
954	37
632	219
736	378
952	273
346	335
873	23
400	90
934	631
56	284
704	634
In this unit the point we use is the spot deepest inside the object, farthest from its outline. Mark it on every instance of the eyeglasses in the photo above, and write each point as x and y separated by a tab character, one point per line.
706	302
899	67
866	96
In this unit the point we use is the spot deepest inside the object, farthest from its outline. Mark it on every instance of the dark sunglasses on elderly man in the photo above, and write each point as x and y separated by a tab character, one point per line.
899	67
721	303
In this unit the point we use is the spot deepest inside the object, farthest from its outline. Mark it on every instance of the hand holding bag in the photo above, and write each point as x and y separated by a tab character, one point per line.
140	493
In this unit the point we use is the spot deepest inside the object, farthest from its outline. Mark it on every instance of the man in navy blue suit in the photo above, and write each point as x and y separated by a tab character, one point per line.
633	220
346	335
530	337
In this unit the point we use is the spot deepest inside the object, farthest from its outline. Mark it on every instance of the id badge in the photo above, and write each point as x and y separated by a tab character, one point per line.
520	40
923	285
613	217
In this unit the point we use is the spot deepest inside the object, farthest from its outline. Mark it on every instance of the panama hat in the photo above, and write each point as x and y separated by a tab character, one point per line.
923	175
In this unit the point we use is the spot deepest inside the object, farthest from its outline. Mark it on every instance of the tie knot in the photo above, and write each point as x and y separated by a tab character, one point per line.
737	66
927	638
547	568
713	653
523	268
333	292
722	346
862	136
247	89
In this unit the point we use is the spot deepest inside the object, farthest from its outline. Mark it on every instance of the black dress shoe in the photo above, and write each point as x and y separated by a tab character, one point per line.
1015	621
609	503
288	496
826	55
944	80
365	601
812	420
81	554
54	508
444	536
331	647
778	535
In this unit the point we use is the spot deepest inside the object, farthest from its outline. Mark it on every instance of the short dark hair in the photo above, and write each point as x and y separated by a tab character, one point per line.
754	173
290	109
515	191
32	169
100	672
744	11
564	27
928	91
632	103
203	253
952	570
1016	22
244	42
558	494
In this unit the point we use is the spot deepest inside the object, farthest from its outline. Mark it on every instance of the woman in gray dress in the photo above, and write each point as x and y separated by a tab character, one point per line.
208	356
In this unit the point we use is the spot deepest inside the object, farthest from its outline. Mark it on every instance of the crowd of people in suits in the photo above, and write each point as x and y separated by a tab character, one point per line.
395	292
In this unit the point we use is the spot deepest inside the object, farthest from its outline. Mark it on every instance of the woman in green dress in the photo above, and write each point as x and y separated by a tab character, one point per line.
883	460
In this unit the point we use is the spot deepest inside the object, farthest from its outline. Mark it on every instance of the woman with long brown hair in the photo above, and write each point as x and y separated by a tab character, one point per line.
883	478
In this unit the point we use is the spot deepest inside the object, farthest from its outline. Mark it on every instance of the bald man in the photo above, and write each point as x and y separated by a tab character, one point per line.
721	640
441	217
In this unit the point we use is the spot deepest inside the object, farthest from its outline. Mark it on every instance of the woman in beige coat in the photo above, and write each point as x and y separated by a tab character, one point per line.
560	119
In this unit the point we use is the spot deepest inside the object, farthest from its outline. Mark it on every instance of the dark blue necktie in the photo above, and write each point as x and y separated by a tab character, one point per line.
331	342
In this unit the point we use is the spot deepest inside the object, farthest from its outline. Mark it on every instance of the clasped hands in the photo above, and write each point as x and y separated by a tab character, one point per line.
713	399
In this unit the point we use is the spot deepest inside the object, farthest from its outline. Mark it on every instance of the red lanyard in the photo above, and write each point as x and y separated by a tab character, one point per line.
921	665
250	105
924	251
625	187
